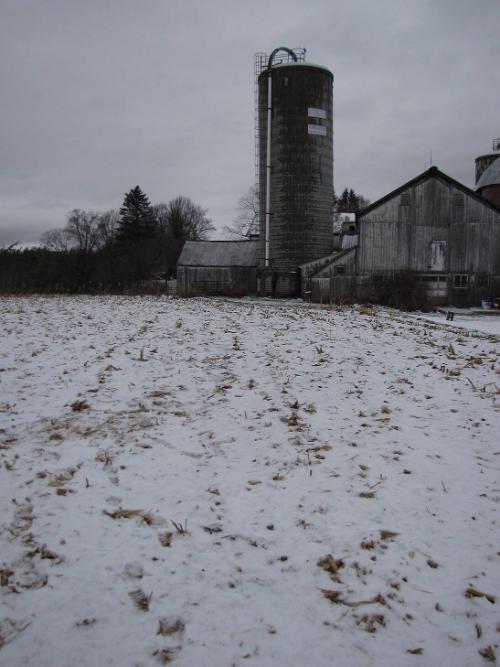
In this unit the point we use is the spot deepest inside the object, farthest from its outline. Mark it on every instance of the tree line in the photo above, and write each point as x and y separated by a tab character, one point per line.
107	251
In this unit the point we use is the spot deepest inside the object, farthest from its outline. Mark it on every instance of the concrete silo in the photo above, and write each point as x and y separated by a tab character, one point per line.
295	107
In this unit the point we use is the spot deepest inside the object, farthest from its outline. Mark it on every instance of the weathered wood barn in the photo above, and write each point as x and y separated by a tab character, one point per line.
445	234
217	268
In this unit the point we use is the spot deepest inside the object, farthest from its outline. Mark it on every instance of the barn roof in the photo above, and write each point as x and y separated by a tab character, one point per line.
219	253
433	172
490	176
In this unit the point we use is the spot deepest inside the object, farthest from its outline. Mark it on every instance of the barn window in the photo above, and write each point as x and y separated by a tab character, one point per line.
405	199
377	278
458	199
339	269
460	280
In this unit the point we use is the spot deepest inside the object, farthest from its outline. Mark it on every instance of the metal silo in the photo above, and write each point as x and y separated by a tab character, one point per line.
488	174
295	102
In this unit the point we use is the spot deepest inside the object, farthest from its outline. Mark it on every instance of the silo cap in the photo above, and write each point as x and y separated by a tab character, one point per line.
490	176
296	66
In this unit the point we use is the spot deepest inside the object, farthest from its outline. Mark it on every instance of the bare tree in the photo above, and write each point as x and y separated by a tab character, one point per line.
107	226
246	221
58	240
178	221
161	216
83	228
187	221
181	220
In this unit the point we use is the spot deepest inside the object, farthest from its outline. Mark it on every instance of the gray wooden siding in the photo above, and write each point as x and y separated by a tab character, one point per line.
216	280
311	269
328	286
400	238
334	290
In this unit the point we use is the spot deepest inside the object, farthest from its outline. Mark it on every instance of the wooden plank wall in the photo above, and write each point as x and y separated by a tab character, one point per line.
216	280
396	237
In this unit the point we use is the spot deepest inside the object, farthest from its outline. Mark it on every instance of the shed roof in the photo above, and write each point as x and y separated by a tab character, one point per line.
490	176
343	256
219	253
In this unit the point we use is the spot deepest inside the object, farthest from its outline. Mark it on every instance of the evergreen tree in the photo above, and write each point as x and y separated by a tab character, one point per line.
137	221
350	201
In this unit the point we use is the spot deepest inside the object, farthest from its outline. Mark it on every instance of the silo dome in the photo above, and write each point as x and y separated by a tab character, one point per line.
488	174
296	187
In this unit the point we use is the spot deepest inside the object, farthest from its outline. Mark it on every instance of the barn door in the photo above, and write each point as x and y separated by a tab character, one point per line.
438	256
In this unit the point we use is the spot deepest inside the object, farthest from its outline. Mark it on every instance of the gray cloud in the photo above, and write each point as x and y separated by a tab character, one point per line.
99	96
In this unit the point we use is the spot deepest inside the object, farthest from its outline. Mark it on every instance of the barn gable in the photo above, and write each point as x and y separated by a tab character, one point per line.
431	173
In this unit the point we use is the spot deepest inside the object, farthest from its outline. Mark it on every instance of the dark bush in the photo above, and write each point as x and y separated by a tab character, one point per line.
403	291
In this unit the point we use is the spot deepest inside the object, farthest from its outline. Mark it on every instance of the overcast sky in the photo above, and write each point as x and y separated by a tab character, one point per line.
98	96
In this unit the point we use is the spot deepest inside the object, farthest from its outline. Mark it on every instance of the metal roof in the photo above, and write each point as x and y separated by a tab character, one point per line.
490	176
219	253
326	269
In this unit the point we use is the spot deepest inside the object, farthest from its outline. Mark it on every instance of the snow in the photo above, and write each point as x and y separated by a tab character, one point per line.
485	321
272	436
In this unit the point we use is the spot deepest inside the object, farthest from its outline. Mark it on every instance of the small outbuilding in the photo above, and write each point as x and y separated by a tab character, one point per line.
215	268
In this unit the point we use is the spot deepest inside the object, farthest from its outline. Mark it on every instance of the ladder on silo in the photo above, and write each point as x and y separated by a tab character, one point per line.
260	64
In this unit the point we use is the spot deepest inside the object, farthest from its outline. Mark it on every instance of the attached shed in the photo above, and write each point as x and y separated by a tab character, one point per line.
438	229
217	268
331	278
337	281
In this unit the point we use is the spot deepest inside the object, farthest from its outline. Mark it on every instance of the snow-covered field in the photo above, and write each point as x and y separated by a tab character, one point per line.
219	483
